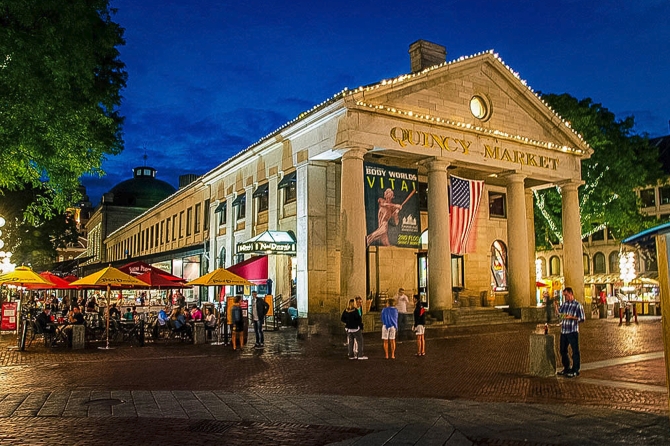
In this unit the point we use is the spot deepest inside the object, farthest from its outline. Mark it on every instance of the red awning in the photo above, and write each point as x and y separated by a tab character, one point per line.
138	268
254	269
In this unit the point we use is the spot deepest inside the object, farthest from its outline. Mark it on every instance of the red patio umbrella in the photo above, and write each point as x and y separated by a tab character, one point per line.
138	268
160	280
58	283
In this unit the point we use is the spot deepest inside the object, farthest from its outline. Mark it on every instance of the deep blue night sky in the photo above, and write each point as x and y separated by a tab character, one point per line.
207	79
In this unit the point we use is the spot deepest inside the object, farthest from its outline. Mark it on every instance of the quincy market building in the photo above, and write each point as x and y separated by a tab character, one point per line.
310	202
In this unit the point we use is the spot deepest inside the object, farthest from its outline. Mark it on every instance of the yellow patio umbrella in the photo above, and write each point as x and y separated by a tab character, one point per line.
219	277
108	278
22	276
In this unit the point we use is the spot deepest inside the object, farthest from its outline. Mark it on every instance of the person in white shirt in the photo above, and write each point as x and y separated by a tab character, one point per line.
402	301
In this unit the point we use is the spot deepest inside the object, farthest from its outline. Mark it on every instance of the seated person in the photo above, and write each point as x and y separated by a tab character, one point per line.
179	321
196	314
162	316
210	321
114	312
128	315
75	318
90	306
43	321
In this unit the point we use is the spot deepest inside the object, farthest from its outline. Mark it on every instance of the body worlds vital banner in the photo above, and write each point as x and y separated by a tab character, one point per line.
392	206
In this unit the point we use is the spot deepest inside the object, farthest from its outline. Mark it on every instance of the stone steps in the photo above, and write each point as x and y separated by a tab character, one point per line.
483	316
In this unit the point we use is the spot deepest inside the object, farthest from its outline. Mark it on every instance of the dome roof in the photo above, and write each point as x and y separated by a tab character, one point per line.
143	190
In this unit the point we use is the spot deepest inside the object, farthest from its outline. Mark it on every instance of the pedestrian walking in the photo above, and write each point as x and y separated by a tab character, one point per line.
419	326
571	313
238	323
353	323
260	308
402	302
389	327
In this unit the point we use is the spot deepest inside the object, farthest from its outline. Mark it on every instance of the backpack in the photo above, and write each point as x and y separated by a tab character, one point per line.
237	314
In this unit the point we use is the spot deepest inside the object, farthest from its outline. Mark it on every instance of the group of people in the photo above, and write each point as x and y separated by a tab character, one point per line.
46	323
571	314
393	320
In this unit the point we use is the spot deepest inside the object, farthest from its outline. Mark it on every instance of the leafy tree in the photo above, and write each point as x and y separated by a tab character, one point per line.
34	242
621	161
60	82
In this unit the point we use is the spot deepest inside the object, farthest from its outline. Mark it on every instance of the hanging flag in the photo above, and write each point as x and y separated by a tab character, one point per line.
464	198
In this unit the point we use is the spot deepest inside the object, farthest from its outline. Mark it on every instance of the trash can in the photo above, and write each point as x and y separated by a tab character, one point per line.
652	309
602	311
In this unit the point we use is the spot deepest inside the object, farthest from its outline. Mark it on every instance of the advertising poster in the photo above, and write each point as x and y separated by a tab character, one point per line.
8	316
392	206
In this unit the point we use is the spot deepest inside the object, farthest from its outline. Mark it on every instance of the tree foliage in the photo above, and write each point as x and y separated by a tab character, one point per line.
621	161
34	242
60	82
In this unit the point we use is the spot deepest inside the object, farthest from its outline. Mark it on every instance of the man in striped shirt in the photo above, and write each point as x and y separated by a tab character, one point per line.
572	313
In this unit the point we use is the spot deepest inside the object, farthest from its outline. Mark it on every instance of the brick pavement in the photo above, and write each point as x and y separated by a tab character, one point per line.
471	388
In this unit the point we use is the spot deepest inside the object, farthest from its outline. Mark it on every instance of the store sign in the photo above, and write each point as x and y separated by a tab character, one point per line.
8	316
392	212
267	247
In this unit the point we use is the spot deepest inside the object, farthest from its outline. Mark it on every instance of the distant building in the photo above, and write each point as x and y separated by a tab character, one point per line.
121	204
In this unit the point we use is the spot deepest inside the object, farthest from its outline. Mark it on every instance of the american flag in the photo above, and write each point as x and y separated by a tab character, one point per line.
464	198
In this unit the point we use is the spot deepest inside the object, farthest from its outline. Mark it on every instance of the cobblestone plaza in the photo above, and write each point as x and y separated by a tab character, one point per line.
306	392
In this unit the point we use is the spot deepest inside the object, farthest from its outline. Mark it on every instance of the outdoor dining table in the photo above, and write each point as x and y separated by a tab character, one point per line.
60	336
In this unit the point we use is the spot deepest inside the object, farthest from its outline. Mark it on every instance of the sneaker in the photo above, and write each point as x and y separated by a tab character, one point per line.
563	373
572	374
362	357
352	357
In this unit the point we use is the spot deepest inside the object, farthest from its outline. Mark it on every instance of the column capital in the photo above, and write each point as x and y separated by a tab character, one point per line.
437	164
353	152
515	177
570	184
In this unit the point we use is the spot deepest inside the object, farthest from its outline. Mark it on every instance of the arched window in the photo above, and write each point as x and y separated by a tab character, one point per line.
499	266
585	260
543	266
614	262
599	263
554	266
221	259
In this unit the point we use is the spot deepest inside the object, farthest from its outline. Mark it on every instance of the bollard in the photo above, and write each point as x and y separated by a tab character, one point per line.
635	313
620	316
78	337
542	356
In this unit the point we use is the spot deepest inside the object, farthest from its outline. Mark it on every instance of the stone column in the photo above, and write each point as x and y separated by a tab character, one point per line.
530	224
352	225
439	246
517	243
573	266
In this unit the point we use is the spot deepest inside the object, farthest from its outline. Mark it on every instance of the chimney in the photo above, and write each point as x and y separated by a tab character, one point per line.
185	180
424	54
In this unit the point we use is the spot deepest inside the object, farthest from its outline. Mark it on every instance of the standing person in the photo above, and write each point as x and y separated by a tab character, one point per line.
359	308
260	308
402	301
238	322
419	326
572	313
389	327
354	326
548	305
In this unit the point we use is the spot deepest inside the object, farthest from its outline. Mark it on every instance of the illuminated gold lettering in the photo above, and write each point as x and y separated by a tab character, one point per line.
530	159
439	141
465	145
394	137
491	152
505	156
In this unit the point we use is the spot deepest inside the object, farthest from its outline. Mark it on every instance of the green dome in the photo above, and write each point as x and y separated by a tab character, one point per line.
143	190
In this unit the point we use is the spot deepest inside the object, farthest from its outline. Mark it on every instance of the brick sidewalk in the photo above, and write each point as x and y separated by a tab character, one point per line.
482	368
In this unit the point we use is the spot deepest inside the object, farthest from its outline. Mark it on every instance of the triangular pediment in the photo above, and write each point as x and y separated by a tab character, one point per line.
444	92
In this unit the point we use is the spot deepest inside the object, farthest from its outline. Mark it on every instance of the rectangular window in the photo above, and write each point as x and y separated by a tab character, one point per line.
196	221
222	209
290	193
648	198
497	205
205	217
162	231
157	236
423	196
189	220
181	224
598	236
174	227
664	194
151	238
240	203
167	230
